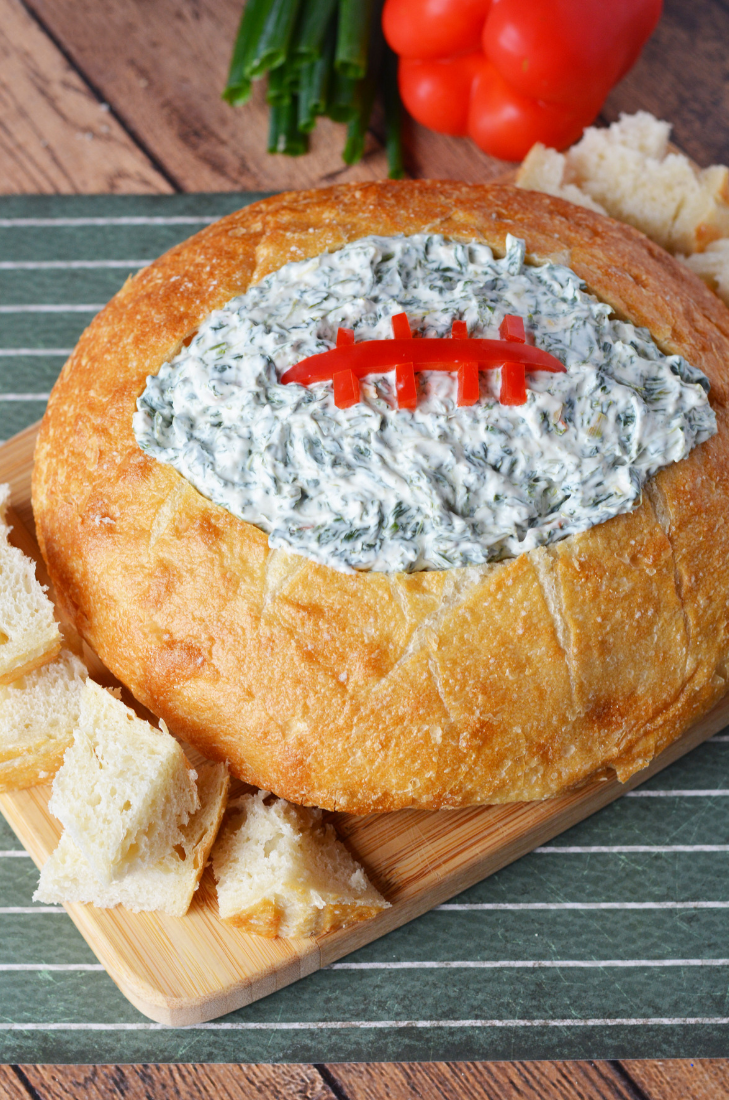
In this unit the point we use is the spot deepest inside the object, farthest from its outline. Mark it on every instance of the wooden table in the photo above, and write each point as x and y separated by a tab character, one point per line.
124	98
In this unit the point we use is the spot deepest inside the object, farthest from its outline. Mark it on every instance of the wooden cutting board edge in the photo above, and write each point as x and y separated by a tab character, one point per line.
431	856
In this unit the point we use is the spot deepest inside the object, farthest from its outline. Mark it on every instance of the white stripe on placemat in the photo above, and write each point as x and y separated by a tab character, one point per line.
51	966
458	907
66	308
54	265
589	849
24	396
8	910
693	793
526	964
335	1025
15	352
16	853
176	219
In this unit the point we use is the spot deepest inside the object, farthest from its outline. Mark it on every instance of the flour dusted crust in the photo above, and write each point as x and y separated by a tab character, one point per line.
372	692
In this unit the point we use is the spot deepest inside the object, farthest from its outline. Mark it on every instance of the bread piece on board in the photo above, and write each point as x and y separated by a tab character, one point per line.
38	714
29	635
166	886
124	789
630	172
282	871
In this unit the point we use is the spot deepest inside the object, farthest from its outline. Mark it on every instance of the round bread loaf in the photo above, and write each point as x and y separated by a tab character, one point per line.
376	691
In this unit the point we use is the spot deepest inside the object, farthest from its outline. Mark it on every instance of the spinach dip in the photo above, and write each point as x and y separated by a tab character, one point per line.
388	489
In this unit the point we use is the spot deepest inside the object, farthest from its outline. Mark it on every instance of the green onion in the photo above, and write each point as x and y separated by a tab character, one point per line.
279	91
353	37
393	117
323	57
252	22
340	105
272	46
364	99
314	85
311	32
283	134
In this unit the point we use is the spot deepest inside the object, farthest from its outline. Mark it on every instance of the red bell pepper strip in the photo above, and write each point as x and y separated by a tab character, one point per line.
381	356
459	330
512	328
346	389
401	327
513	384
468	389
405	387
345	337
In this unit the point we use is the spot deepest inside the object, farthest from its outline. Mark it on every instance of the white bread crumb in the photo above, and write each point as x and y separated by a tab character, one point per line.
629	172
38	714
166	886
713	267
547	170
282	871
29	635
124	788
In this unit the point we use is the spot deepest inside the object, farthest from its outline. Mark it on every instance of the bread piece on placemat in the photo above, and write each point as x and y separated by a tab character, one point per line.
29	635
166	886
282	871
124	789
38	714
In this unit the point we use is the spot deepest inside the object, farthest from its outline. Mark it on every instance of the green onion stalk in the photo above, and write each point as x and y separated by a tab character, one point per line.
322	57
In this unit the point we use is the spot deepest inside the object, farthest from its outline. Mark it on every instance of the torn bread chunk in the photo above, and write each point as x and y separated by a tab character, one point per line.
281	871
29	634
630	172
38	714
547	170
166	886
713	267
124	789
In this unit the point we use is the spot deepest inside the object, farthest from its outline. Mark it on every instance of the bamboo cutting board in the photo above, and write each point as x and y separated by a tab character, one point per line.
191	969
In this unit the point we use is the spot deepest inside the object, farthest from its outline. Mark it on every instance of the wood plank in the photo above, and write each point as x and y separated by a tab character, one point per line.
679	1079
162	65
187	970
55	138
682	77
10	1087
185	1082
482	1081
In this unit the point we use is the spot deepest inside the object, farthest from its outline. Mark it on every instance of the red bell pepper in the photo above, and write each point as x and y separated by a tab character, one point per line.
512	72
381	356
348	362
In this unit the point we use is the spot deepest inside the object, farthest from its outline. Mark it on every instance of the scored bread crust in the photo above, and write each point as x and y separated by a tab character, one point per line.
375	691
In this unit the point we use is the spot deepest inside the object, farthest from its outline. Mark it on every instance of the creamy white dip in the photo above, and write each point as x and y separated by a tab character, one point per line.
377	487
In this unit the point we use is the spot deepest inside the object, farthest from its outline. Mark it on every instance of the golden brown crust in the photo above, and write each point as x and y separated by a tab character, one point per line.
33	768
31	666
267	917
373	691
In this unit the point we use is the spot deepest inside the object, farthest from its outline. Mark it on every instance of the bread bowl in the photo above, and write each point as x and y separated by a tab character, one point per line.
503	682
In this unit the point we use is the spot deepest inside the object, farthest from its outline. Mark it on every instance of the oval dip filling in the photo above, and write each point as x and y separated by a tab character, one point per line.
381	488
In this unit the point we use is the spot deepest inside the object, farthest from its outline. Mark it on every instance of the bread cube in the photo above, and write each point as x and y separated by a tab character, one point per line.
124	789
29	634
281	871
166	886
38	714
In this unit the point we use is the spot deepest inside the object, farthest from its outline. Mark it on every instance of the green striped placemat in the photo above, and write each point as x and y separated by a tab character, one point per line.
610	942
